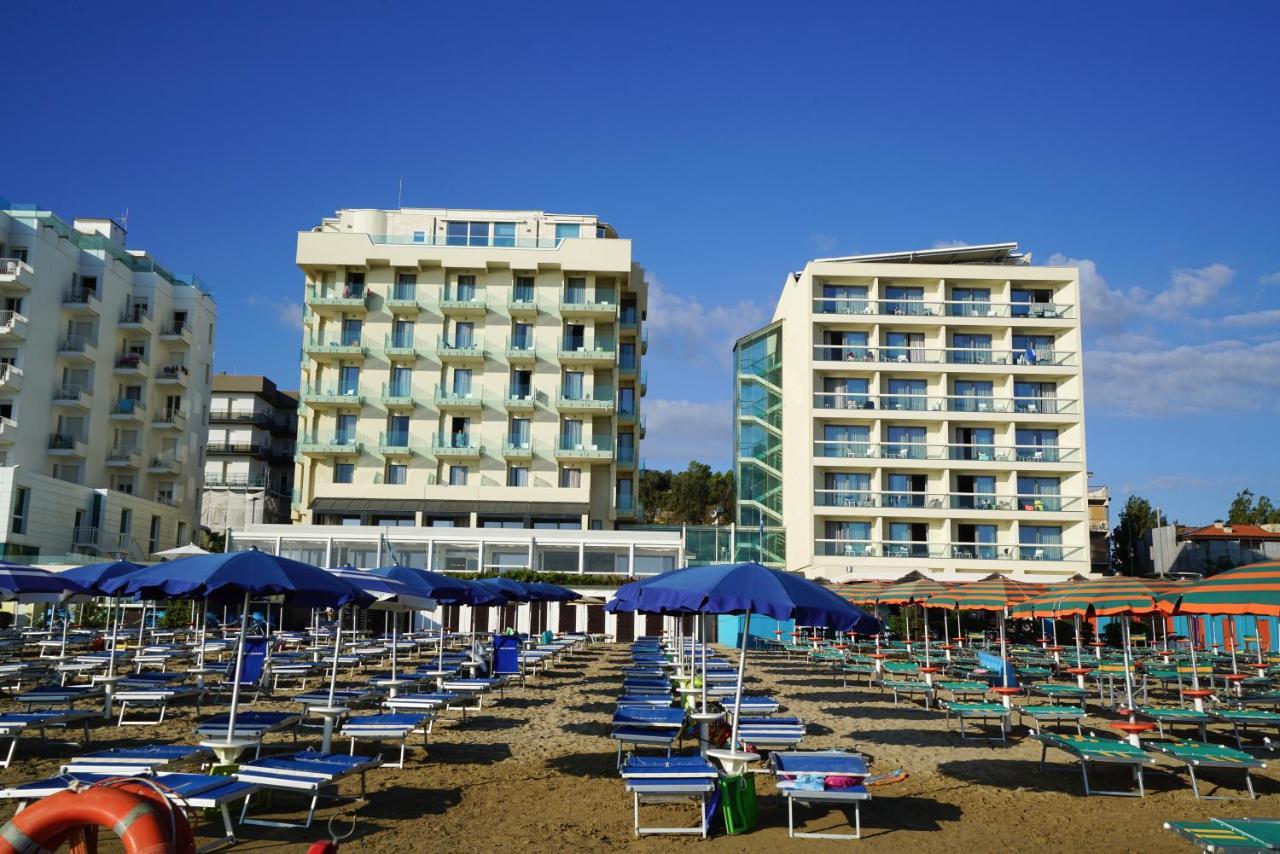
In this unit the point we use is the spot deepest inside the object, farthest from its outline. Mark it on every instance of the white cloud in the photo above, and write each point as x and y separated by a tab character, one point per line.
683	327
1266	317
1105	308
1213	378
287	312
824	243
1193	287
949	244
1270	278
684	430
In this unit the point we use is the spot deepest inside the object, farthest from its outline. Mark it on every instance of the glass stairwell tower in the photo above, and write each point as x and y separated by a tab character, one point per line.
757	440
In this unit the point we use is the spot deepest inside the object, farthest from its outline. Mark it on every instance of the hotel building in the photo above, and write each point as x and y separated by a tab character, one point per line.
469	368
104	387
248	469
917	411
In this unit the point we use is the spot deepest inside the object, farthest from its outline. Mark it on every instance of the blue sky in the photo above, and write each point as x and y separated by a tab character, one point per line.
733	145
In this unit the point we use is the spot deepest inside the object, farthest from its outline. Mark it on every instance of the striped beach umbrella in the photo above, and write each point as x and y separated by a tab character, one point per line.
993	593
1253	589
918	591
1102	597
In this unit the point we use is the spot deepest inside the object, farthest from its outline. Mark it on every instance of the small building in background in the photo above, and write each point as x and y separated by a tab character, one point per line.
1184	550
1099	529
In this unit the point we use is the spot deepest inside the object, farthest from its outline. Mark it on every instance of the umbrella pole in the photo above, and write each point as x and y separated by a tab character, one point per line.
1234	668
1004	662
702	632
906	623
440	621
395	624
235	685
1128	674
742	666
924	618
66	618
1079	655
200	635
1195	673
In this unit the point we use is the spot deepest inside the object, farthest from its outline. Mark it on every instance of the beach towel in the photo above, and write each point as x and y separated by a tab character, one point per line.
996	664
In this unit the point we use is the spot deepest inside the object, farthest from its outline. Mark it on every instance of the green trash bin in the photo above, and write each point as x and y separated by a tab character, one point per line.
738	803
548	637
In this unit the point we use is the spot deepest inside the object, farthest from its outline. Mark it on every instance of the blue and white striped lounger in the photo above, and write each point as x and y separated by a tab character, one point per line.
139	693
667	780
192	791
640	725
770	733
12	725
252	725
476	687
130	761
751	705
54	695
428	702
657	700
823	763
308	772
341	697
387	727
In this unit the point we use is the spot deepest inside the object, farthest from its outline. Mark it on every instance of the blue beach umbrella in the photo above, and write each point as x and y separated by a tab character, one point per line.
434	585
224	577
746	589
30	584
92	577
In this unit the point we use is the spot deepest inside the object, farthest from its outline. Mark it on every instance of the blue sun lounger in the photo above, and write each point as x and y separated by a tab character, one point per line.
52	695
250	725
658	780
130	761
655	700
653	727
152	690
1176	715
792	768
307	772
191	791
770	733
476	687
387	727
751	705
13	724
428	701
1242	719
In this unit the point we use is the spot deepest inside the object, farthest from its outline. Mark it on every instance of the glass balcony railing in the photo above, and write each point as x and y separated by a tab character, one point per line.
853	400
940	308
979	356
955	551
401	342
397	391
447	443
419	238
451	396
469	348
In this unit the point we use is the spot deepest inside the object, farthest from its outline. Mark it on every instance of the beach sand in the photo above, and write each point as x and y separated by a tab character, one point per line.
535	772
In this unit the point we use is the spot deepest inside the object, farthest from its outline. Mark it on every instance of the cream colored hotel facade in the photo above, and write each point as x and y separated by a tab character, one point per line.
917	411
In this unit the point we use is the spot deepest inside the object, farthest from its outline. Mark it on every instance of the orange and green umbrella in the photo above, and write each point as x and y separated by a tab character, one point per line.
993	593
1253	589
918	591
1103	597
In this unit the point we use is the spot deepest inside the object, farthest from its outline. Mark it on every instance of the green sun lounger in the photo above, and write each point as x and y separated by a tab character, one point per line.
1235	835
964	688
910	688
1242	719
868	671
1051	713
1059	693
1170	715
978	712
1196	754
1099	751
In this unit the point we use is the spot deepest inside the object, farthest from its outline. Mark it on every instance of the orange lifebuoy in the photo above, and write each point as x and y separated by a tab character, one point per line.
140	816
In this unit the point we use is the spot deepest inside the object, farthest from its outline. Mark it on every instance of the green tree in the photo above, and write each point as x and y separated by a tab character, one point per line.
655	485
1136	519
1245	510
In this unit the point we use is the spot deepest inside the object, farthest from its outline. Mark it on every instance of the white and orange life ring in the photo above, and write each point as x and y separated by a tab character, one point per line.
140	815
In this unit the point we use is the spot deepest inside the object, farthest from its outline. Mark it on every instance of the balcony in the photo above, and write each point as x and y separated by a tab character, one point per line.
67	445
457	446
72	395
395	444
584	451
172	375
400	348
16	277
136	320
131	365
588	309
576	353
517	450
176	332
333	446
169	419
521	400
168	497
644	341
521	353
123	458
899	451
627	459
129	410
81	301
228	415
13	327
403	302
452	400
332	398
627	368
79	349
166	463
522	307
580	402
460	352
838	307
237	449
344	300
946	551
8	431
397	396
644	383
10	377
453	305
244	481
979	358
334	348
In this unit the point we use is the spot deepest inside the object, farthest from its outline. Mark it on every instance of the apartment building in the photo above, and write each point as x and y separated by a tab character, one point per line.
248	469
1099	499
105	362
917	411
469	368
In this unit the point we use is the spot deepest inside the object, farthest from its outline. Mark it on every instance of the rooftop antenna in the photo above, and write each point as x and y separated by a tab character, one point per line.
124	219
400	194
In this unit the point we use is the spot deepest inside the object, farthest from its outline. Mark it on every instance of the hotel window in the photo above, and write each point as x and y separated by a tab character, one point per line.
402	333
419	237
568	230
523	289
466	288
21	498
351	333
518	436
182	533
464	335
575	290
349	380
406	284
522	336
504	234
468	233
1040	542
571	478
153	537
354	290
397	474
457	475
624	499
345	434
627	356
401	382
344	473
518	476
626	400
462	382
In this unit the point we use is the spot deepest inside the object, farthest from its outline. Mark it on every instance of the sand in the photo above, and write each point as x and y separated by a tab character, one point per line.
535	772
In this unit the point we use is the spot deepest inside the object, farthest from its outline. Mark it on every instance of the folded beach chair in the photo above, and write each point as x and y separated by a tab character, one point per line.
308	772
646	726
1235	835
387	727
1242	719
770	733
1196	754
189	791
802	779
1050	713
250	725
1090	750
1170	715
672	779
13	724
997	712
131	761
